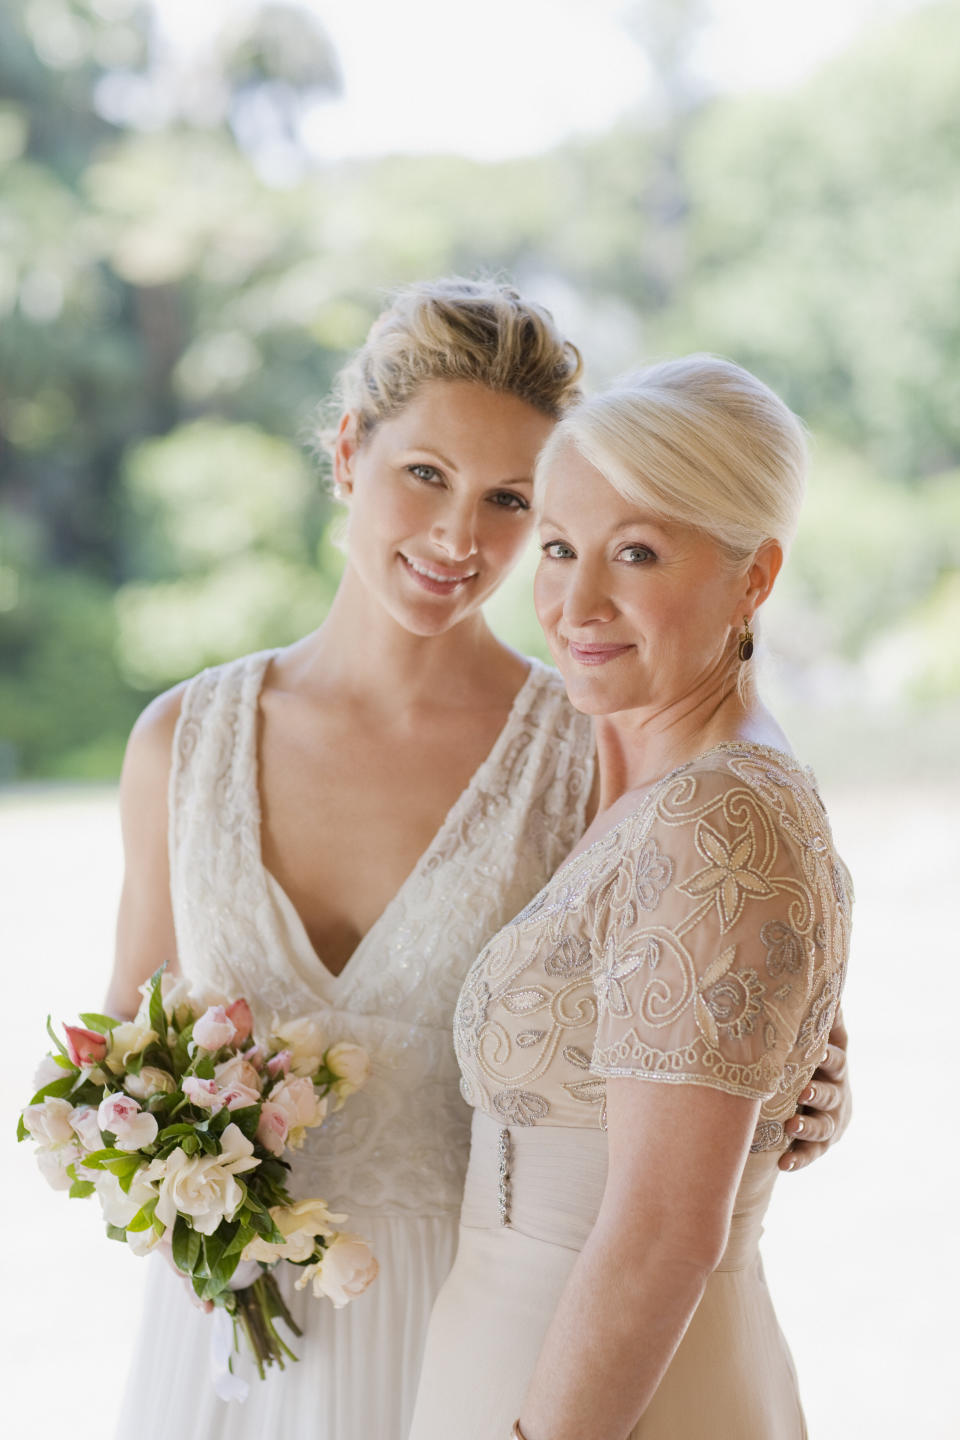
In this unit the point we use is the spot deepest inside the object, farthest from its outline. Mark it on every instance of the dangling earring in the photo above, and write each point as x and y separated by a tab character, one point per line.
745	647
338	492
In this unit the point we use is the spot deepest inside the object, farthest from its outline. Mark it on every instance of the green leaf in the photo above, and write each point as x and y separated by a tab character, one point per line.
80	1188
205	1068
103	1024
97	1159
22	1132
143	1219
190	1144
187	1245
116	1232
64	1063
221	1273
158	1019
56	1040
59	1089
247	1120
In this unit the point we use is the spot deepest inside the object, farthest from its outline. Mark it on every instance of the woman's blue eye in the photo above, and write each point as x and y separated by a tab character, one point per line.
556	550
637	554
428	473
507	500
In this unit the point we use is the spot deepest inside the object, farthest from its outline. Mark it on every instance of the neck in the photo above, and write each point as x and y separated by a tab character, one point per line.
361	652
635	748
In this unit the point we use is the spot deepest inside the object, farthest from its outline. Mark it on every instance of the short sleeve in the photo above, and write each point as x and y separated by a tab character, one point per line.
705	949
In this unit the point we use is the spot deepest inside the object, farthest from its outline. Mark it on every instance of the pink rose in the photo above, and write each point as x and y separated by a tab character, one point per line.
272	1129
242	1016
237	1097
255	1056
301	1106
237	1071
85	1047
84	1124
214	1029
201	1092
279	1064
122	1116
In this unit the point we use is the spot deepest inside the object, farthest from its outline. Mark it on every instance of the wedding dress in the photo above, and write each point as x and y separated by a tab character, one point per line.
700	941
394	1157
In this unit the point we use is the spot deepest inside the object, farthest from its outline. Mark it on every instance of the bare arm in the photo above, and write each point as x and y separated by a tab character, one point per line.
676	1156
145	934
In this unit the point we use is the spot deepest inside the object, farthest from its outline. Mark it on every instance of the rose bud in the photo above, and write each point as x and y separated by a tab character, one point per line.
242	1016
85	1047
214	1029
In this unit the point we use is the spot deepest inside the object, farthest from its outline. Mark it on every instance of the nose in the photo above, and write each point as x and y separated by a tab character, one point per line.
587	600
455	531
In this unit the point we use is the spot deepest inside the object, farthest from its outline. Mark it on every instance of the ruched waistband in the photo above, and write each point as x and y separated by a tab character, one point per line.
547	1181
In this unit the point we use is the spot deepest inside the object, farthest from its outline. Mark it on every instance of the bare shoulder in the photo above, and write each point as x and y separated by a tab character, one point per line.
146	764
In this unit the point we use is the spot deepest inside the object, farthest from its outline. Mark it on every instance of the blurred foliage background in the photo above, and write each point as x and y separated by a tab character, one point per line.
180	280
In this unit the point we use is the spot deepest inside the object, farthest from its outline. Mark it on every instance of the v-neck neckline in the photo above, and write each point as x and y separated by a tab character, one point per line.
268	880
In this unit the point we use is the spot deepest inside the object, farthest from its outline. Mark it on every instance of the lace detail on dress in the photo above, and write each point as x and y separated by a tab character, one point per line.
401	1144
703	939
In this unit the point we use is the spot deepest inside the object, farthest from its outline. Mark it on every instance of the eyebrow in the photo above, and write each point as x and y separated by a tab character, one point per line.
450	464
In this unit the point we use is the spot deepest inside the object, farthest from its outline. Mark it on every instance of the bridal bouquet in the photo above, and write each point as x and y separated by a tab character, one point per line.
179	1121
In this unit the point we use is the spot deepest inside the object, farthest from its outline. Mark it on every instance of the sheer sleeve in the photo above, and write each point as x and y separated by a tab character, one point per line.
705	945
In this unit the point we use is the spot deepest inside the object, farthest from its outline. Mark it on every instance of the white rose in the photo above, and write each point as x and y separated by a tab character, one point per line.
84	1122
128	1039
47	1071
304	1039
347	1268
202	1186
132	1127
351	1065
300	1105
118	1205
300	1224
53	1164
151	1081
49	1122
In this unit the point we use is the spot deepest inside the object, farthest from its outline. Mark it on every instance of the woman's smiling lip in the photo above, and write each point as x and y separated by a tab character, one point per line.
435	578
595	654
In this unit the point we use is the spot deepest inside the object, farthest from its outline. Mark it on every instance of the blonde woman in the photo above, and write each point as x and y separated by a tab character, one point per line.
339	827
635	1042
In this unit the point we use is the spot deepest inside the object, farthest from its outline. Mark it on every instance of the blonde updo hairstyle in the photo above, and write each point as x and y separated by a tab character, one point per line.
699	441
455	329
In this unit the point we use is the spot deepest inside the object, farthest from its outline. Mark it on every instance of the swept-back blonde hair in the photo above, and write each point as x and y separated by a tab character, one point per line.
456	329
699	441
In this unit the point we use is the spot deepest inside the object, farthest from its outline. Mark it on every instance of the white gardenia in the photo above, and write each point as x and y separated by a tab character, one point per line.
130	1038
300	1224
50	1122
202	1186
345	1271
304	1039
118	1205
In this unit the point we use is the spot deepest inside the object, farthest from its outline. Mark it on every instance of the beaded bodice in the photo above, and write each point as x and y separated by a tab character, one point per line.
400	1145
702	940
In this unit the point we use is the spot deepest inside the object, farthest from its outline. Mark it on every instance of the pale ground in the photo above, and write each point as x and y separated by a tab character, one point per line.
861	1251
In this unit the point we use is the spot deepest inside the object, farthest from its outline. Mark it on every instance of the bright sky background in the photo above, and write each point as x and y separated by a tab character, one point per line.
513	77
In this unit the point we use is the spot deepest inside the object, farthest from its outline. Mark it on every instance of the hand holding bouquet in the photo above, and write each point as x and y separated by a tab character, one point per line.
178	1121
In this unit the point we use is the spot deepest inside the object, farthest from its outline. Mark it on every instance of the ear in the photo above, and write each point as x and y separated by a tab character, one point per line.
758	580
344	453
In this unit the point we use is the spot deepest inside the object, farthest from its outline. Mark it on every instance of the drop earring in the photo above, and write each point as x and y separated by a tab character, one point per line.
745	646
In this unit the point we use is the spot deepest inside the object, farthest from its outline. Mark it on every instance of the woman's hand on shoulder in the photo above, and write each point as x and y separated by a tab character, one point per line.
145	933
826	1106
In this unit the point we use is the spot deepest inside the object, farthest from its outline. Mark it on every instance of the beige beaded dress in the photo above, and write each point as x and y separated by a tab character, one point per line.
701	941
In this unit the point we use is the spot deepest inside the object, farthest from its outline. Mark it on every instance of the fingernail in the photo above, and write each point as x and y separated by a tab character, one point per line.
824	1057
797	1125
807	1095
791	1163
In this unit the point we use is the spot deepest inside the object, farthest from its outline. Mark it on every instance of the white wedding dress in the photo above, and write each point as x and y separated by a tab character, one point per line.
395	1157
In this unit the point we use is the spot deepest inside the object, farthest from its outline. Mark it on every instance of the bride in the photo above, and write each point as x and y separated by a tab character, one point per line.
338	827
